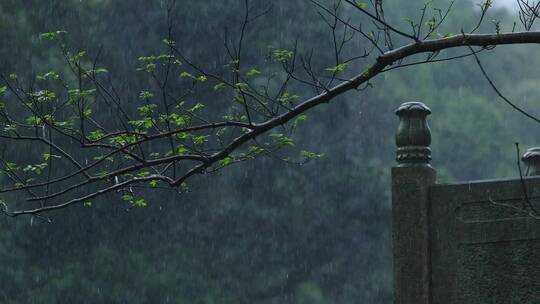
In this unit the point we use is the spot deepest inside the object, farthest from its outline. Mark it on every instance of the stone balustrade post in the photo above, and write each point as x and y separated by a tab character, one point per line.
531	158
411	179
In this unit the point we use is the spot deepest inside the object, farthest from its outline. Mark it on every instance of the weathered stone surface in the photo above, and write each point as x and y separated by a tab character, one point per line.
411	180
413	136
485	242
411	233
499	272
466	243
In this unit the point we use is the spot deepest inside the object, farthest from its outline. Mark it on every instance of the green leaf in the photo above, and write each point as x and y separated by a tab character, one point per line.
281	55
148	109
100	70
87	112
302	117
201	78
182	135
48	75
47	156
146	95
253	72
338	68
226	161
430	23
197	107
149	67
186	75
122	139
43	95
36	168
219	86
102	174
282	139
255	149
288	98
33	120
52	35
201	139
79	55
177	119
95	135
362	5
11	166
242	86
181	150
308	155
140	203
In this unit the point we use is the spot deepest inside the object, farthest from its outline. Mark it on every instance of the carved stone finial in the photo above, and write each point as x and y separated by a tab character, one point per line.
413	136
531	158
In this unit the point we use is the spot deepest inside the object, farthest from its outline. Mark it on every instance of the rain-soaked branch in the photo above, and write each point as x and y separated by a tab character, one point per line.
168	142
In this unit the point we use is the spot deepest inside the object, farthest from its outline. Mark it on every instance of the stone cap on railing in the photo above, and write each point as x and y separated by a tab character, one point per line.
531	158
413	136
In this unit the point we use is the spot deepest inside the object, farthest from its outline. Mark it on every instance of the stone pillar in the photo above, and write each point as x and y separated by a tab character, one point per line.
531	158
411	179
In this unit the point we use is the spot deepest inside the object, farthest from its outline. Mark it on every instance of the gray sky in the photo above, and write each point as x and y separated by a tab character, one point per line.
511	4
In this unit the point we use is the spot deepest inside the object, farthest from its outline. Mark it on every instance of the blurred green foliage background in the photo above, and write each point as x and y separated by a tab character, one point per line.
261	231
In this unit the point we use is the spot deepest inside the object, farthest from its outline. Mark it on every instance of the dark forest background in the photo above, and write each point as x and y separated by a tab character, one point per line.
262	231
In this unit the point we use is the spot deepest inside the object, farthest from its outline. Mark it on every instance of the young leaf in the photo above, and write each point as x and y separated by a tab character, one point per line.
253	72
338	68
219	86
281	55
362	5
139	203
226	161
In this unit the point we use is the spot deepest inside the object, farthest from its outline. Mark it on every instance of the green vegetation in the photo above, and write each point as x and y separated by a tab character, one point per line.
314	228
